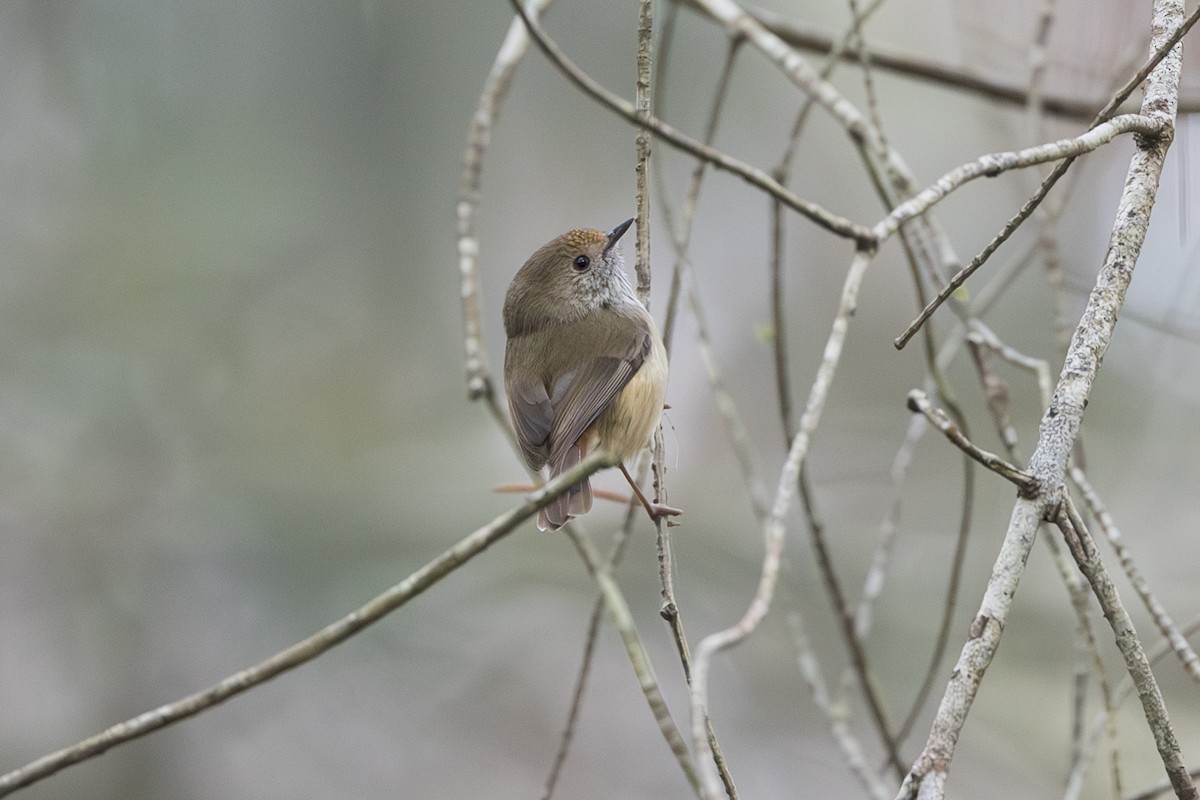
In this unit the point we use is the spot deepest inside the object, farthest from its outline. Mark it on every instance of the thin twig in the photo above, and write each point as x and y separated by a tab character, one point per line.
994	164
1166	626
633	511
796	68
1091	657
1048	214
1119	695
864	60
680	236
666	38
1161	789
874	147
843	613
468	247
918	402
735	428
784	390
920	260
681	232
643	106
949	605
873	583
642	148
855	648
984	336
984	345
783	384
998	284
1083	548
1035	99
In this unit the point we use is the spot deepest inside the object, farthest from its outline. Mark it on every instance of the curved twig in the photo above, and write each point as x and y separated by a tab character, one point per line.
773	530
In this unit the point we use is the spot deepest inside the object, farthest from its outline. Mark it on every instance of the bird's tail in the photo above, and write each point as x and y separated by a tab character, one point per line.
574	502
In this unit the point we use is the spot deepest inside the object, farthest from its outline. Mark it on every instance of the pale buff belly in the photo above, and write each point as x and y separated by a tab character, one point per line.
625	427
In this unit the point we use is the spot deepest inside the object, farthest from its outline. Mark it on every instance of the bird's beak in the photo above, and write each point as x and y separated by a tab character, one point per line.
616	233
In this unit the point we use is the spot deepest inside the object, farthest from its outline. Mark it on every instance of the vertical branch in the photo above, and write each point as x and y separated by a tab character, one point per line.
642	144
620	540
1103	721
670	608
1083	548
984	346
611	595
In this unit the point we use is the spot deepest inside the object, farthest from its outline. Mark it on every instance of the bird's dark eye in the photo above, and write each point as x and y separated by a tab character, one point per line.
582	263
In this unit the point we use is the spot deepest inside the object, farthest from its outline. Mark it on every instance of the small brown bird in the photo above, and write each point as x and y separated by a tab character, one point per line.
584	366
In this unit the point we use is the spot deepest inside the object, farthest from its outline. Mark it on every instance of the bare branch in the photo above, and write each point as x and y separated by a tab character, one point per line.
642	146
918	402
1083	548
306	649
670	610
620	540
1166	626
585	668
984	345
1104	718
797	69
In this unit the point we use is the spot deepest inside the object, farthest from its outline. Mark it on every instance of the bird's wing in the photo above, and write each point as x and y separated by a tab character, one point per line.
551	411
581	394
532	416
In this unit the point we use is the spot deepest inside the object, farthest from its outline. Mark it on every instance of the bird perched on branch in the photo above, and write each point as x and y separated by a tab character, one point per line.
584	367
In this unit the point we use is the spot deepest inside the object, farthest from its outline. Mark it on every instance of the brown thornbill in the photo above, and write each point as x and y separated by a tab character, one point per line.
584	367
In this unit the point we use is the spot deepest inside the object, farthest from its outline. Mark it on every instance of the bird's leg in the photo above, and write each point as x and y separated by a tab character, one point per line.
655	510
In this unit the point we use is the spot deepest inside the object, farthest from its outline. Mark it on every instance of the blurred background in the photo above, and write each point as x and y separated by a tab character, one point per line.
232	404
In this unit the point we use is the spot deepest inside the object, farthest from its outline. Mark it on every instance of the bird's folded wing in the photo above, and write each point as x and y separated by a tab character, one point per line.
551	411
